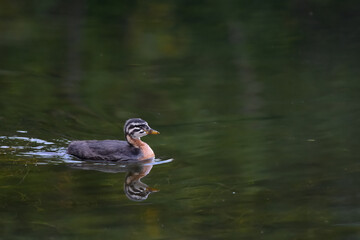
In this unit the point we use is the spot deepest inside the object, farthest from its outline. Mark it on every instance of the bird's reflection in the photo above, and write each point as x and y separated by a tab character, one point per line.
134	188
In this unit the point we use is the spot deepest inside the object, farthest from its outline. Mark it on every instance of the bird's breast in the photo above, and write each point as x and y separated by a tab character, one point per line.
146	151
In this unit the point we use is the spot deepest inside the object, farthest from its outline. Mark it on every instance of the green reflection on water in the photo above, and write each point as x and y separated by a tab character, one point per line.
257	102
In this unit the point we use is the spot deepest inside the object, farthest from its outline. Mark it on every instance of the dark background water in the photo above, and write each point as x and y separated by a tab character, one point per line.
256	101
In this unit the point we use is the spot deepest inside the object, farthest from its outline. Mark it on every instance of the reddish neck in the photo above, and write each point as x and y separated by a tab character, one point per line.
136	142
146	151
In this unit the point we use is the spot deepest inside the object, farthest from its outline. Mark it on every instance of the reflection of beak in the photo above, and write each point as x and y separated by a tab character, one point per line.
150	189
152	131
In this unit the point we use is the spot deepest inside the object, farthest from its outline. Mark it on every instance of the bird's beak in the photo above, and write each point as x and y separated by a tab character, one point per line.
152	131
150	189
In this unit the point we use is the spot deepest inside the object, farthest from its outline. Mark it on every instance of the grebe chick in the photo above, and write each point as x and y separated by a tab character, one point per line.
131	149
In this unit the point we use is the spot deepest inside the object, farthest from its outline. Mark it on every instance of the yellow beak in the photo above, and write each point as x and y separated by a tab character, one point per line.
150	189
152	131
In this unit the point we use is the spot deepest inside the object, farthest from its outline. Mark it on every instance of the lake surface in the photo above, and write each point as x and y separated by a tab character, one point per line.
257	104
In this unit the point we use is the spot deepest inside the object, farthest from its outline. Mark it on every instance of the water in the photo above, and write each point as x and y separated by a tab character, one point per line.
257	105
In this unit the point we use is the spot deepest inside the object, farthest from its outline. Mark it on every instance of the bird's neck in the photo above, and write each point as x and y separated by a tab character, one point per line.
136	142
145	149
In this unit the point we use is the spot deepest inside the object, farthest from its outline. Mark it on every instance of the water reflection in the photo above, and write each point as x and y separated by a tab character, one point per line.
46	152
134	188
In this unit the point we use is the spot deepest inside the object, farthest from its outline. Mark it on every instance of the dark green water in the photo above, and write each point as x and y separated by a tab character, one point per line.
256	102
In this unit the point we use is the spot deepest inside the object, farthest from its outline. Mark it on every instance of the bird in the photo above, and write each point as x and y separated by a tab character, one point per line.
116	150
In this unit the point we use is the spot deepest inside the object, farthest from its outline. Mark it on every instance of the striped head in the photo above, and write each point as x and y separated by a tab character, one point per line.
137	190
137	128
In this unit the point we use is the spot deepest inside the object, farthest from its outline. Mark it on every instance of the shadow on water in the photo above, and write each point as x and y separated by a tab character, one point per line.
46	152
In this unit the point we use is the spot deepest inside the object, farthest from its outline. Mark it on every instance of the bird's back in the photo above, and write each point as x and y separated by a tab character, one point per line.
104	150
